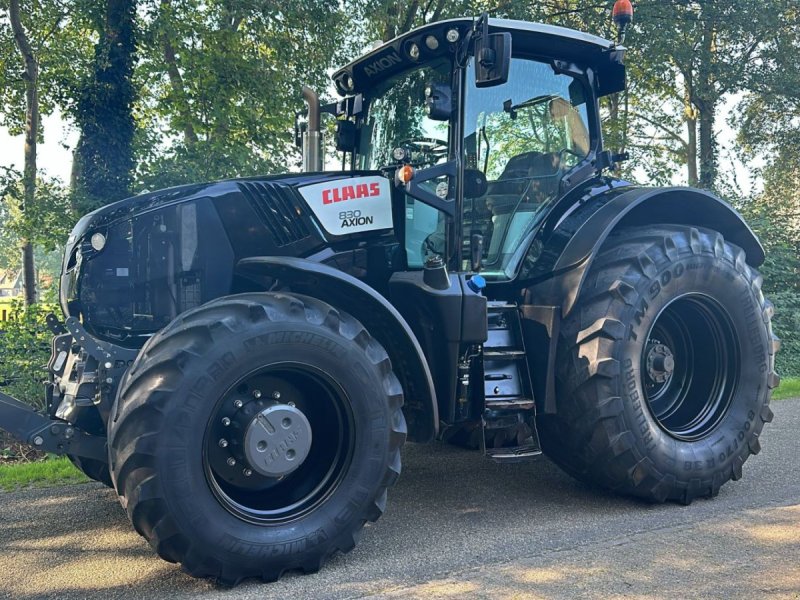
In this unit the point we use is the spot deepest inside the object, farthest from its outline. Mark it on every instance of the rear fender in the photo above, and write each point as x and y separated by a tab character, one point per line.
635	206
381	319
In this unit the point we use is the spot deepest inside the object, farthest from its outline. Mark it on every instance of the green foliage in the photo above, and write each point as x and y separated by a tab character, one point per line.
24	352
46	223
775	217
786	324
223	83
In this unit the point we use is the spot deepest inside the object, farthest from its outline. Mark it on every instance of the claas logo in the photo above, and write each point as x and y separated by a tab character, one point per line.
351	192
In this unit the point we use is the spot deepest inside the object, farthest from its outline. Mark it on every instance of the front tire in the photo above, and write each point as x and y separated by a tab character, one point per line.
665	367
93	469
190	446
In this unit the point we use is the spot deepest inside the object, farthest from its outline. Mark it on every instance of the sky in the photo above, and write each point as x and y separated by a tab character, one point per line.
54	156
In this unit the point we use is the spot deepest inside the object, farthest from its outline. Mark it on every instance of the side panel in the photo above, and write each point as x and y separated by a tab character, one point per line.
375	313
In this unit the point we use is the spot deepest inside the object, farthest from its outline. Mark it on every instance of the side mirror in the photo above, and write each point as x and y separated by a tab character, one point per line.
492	59
475	184
438	101
346	136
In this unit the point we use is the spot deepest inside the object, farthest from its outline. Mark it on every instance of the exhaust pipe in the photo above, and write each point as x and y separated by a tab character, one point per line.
312	137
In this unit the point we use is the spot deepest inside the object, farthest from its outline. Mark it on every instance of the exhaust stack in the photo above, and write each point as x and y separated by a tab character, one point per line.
312	137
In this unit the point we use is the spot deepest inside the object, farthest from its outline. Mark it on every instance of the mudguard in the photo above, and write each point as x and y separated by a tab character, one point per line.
375	312
570	250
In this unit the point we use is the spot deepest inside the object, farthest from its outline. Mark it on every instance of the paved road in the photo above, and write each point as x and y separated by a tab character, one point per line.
458	527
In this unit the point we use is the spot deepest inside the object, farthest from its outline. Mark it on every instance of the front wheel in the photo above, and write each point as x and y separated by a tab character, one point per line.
665	366
256	434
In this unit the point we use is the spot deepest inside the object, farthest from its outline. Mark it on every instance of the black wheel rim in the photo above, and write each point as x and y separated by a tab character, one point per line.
690	366
257	498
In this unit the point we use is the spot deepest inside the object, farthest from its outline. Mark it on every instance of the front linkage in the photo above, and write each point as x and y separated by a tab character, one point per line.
84	374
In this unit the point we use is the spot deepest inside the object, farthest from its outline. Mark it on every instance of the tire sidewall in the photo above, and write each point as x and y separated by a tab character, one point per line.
186	489
735	293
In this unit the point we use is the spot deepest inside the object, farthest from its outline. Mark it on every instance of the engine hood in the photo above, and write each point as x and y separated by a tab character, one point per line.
303	197
188	240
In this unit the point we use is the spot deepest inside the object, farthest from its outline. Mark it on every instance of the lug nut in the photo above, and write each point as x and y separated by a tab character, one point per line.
38	440
231	461
290	404
108	365
223	443
276	395
226	421
247	472
238	403
256	394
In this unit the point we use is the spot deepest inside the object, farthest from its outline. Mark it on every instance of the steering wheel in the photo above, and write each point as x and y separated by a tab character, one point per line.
425	150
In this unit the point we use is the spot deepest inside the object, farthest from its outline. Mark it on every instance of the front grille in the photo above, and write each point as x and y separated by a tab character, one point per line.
279	208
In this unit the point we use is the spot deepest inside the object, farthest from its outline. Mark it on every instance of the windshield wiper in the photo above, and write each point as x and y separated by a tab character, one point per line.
512	109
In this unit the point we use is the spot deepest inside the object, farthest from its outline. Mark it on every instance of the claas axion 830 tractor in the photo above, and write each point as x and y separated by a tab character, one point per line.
242	361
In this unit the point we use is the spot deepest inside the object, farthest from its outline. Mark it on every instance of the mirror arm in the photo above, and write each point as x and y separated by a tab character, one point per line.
413	189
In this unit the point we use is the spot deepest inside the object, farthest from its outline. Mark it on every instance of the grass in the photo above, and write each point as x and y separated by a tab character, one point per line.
44	473
789	388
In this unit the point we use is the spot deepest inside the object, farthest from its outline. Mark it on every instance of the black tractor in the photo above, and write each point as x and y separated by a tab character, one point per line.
242	361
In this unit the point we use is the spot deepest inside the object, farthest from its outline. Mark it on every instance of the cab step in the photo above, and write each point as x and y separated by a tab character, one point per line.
509	420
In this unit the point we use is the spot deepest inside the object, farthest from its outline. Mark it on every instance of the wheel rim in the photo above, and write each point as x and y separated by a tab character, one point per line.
690	366
260	494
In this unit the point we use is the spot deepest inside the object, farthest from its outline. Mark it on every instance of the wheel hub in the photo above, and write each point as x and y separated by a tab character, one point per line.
277	440
660	363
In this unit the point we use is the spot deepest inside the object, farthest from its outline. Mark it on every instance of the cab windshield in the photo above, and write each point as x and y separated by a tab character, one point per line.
395	118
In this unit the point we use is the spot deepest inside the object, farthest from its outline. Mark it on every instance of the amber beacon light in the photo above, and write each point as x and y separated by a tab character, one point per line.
623	16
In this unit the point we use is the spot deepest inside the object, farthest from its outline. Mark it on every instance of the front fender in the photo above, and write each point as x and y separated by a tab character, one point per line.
577	240
381	319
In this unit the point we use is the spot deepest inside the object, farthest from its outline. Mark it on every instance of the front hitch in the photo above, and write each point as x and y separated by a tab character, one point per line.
43	433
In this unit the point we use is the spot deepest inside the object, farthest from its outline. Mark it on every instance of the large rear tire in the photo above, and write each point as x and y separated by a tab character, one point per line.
257	434
665	367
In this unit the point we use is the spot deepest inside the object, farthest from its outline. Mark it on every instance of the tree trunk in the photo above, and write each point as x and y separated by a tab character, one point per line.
31	77
708	146
690	116
104	111
691	151
706	100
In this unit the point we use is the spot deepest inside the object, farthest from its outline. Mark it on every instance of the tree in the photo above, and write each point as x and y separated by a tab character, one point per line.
223	82
103	108
31	78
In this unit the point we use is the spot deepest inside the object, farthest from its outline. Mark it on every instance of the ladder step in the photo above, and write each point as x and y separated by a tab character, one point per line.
500	306
503	354
510	403
513	454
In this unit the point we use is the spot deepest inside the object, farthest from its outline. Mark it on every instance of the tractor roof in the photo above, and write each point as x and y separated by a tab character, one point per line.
533	39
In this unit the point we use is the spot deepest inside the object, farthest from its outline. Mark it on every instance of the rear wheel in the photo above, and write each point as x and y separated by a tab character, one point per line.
665	367
257	434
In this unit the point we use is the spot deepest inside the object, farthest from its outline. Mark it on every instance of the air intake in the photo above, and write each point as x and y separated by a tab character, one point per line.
279	208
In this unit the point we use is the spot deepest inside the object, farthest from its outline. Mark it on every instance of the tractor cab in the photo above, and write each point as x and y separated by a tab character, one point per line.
483	126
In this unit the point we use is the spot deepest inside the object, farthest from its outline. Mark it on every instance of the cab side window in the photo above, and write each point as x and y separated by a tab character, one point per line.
523	136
